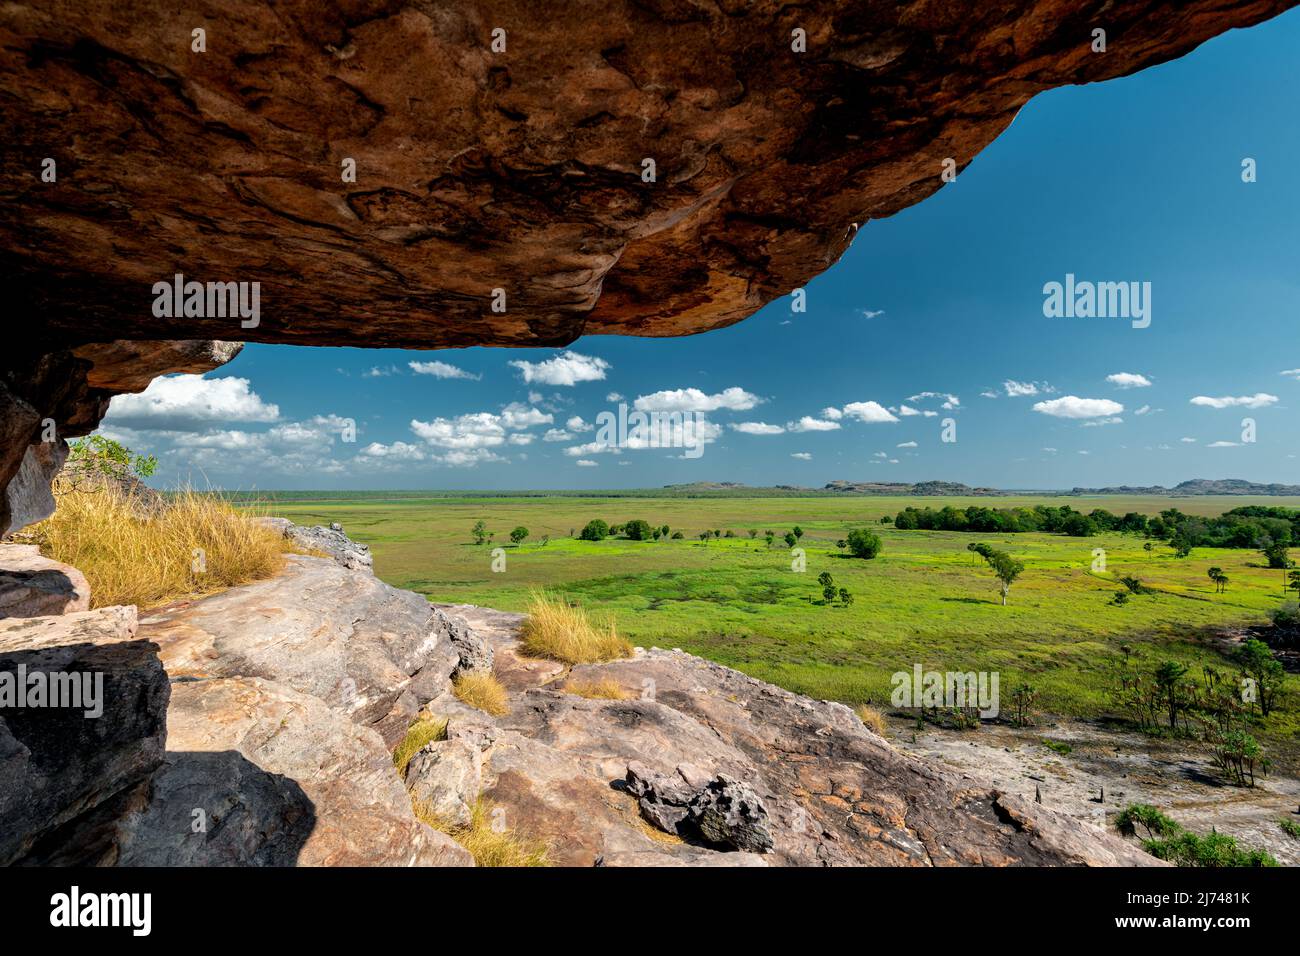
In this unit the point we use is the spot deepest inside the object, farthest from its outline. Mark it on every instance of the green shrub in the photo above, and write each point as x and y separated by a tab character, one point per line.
638	530
595	530
863	543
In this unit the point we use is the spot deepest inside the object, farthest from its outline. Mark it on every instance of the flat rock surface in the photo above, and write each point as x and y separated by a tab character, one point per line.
1107	769
339	634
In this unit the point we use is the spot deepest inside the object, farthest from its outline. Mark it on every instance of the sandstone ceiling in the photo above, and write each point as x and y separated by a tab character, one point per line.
519	170
129	156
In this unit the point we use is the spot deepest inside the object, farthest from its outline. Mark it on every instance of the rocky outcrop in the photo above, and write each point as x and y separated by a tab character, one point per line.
257	774
368	650
50	393
523	168
662	168
321	540
738	771
35	586
721	812
288	695
64	758
447	777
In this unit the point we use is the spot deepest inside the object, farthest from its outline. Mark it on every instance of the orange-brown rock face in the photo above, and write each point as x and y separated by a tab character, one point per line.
520	169
441	173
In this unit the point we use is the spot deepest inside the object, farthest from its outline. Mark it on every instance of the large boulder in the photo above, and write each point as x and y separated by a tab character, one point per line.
32	585
59	764
369	650
259	774
446	777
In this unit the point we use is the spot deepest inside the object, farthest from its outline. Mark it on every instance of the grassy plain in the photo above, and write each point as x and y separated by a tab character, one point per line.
925	599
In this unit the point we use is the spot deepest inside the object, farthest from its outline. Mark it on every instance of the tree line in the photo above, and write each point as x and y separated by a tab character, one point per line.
1268	529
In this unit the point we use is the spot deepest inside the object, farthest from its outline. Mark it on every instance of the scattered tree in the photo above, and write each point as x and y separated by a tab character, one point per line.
1007	570
595	530
1258	663
638	530
519	535
479	531
863	543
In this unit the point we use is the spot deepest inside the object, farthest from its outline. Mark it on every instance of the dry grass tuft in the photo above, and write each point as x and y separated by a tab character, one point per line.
423	730
191	544
872	718
562	633
488	846
602	689
481	689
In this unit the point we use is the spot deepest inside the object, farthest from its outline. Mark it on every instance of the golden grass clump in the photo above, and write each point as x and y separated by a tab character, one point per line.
872	718
148	554
488	846
597	689
481	689
423	730
562	633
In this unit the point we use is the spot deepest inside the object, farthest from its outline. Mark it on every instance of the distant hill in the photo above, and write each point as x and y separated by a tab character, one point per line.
920	488
1197	486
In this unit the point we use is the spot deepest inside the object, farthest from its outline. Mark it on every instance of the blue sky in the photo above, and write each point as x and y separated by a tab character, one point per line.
1137	179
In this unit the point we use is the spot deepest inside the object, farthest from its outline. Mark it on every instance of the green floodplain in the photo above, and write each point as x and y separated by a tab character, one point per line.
925	599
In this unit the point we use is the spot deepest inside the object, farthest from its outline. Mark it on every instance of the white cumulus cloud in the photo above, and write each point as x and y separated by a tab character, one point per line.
733	399
442	370
1128	380
869	412
190	403
1071	406
567	368
1258	400
757	428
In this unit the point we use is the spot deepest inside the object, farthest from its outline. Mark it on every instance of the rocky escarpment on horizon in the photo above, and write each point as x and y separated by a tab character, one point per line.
1198	486
776	132
282	700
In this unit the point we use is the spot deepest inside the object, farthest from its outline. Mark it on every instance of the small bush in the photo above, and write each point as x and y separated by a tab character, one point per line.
593	689
872	719
482	690
187	545
1146	816
423	730
1290	827
562	633
863	543
1288	615
1167	840
595	530
488	846
638	530
1057	746
1214	850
